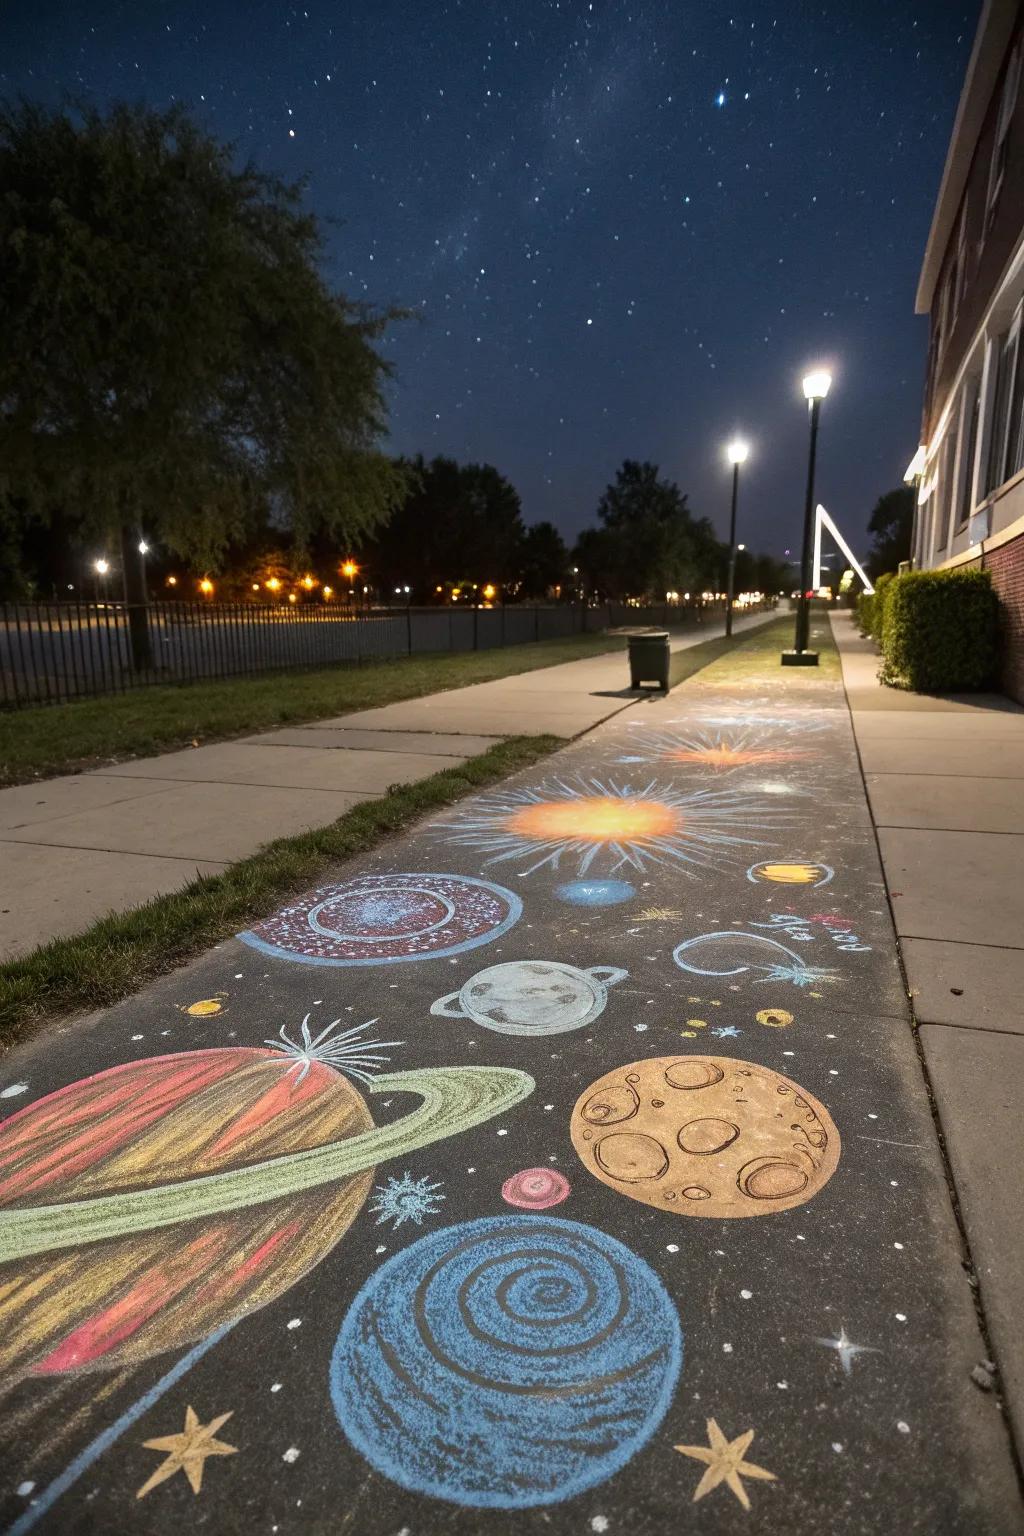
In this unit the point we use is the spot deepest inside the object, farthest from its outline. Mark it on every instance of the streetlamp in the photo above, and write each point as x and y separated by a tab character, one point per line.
816	387
101	567
736	453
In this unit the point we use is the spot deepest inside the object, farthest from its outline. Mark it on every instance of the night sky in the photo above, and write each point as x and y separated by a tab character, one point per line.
626	226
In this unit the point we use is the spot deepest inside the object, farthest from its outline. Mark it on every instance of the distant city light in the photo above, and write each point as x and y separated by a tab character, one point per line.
206	587
309	583
349	569
101	566
293	597
273	584
328	591
172	581
143	547
489	590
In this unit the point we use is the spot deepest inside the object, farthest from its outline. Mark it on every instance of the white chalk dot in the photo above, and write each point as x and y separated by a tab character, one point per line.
899	1246
380	1249
746	1295
503	1133
837	1446
12	1093
599	1522
901	1317
276	1387
24	1489
903	1428
726	1349
671	1247
291	1454
138	1037
296	1322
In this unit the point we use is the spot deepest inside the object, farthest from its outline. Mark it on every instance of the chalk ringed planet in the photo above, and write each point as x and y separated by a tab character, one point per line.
454	1099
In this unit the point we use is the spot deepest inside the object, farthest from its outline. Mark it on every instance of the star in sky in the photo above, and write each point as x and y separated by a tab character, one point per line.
187	1452
725	1463
847	1350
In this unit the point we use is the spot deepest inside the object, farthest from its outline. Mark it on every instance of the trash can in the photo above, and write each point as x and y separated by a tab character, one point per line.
648	659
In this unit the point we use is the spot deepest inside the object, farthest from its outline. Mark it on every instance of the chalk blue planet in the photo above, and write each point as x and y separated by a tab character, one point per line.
506	1363
595	893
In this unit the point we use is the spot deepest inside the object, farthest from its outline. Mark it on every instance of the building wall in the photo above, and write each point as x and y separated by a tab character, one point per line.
985	250
1007	567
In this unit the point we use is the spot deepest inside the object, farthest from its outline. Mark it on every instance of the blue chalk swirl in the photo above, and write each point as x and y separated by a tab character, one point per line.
506	1363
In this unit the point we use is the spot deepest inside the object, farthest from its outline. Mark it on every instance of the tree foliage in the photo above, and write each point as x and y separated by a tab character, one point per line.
458	523
891	523
543	561
648	542
170	353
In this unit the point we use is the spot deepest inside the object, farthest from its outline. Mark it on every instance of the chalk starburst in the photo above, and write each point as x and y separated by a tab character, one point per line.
353	1055
406	1199
603	825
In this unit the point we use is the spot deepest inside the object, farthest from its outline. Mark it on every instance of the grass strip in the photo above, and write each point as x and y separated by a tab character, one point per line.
45	740
119	954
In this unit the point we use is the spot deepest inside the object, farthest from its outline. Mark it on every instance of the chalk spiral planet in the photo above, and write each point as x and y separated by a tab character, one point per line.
506	1363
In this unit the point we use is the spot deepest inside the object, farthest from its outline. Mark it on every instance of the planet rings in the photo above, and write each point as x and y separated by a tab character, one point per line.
454	1099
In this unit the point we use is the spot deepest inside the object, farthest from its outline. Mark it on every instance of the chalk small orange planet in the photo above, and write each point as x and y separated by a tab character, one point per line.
705	1136
779	873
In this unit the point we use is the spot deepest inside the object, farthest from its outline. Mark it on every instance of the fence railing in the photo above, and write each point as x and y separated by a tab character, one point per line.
55	652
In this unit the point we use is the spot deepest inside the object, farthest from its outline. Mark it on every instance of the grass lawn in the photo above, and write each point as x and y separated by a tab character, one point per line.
42	741
118	955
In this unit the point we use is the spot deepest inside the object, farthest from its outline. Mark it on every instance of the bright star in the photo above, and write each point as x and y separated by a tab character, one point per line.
846	1350
720	99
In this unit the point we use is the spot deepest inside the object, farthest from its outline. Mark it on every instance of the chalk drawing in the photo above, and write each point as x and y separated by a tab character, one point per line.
506	1363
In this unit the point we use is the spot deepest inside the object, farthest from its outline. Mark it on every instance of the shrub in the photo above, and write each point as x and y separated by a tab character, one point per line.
940	631
865	607
882	588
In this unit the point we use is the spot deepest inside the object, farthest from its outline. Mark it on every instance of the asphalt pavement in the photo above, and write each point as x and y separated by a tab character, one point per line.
566	1165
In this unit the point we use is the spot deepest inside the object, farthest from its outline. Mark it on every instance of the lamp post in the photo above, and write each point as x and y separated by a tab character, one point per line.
816	387
736	453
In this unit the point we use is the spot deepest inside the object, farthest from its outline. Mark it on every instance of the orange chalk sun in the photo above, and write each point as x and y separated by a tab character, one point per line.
597	826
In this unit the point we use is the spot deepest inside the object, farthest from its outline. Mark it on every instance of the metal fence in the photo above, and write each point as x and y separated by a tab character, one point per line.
55	652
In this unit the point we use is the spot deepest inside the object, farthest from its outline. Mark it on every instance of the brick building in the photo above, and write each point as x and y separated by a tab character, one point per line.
970	469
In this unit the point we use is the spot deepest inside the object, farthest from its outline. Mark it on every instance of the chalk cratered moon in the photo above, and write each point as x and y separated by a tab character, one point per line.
705	1136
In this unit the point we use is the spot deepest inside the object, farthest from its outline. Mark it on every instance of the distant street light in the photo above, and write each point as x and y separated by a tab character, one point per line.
101	567
816	387
143	547
736	453
206	587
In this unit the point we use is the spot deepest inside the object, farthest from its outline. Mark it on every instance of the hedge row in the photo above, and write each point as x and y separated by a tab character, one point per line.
938	630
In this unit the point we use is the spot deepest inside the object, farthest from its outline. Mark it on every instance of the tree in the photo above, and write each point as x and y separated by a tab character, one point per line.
458	523
648	542
170	354
543	560
892	524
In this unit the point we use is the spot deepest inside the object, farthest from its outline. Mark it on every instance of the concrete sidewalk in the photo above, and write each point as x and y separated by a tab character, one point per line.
77	847
562	1166
945	782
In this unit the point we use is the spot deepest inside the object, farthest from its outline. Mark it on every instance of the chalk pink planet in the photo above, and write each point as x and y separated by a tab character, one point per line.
535	1189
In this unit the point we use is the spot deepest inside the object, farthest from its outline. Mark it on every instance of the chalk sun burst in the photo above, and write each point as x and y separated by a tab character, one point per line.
720	751
595	825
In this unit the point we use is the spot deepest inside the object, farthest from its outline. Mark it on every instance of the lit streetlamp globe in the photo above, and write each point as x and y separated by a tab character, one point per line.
817	384
737	451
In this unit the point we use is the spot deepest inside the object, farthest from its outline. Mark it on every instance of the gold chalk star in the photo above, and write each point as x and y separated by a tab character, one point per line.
725	1464
187	1452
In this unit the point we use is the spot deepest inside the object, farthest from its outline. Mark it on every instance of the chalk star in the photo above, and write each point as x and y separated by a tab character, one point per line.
187	1452
725	1464
726	1031
847	1350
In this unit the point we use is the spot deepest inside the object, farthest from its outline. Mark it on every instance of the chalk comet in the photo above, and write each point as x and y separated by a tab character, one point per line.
733	953
455	1099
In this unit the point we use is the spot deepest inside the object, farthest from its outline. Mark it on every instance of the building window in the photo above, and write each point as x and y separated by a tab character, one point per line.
960	267
972	422
1006	451
1007	103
